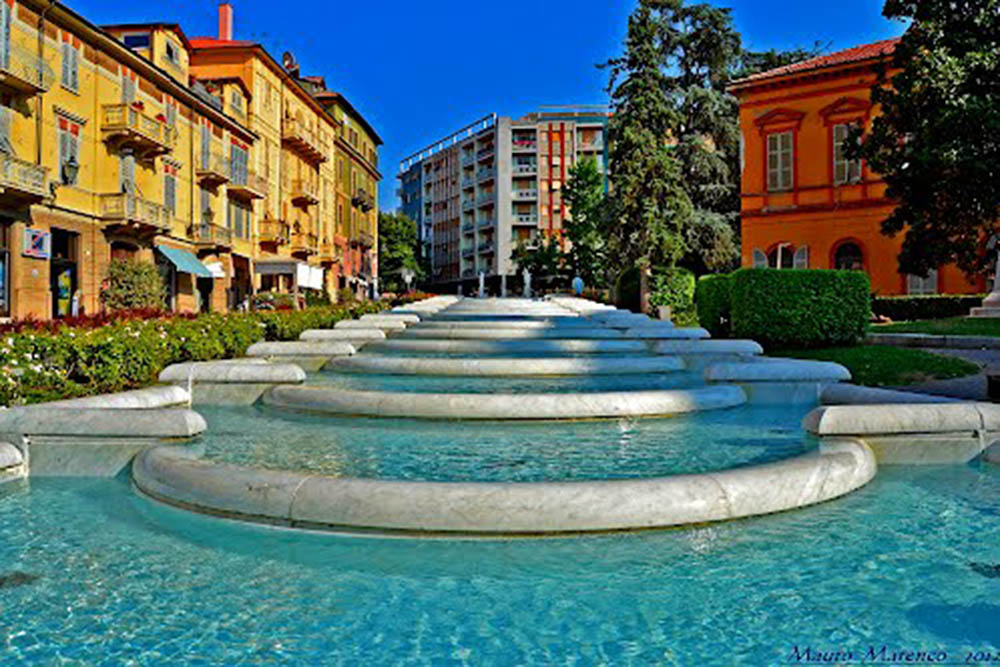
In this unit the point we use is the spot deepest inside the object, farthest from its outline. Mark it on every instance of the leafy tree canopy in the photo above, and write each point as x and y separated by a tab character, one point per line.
937	140
397	250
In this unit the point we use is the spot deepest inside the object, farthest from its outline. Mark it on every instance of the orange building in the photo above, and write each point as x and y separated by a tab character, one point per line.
804	205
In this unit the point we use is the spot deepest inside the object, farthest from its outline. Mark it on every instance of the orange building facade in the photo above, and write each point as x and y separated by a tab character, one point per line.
804	205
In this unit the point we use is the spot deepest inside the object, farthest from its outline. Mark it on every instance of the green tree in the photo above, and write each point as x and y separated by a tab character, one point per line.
133	284
753	62
543	258
937	140
649	205
586	231
397	250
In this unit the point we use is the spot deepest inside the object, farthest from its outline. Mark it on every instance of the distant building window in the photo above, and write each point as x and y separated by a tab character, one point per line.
848	257
139	41
171	53
919	285
170	191
779	161
69	150
844	170
70	67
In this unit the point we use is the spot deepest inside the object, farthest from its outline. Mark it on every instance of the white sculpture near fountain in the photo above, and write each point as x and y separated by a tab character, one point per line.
503	285
482	285
991	304
527	283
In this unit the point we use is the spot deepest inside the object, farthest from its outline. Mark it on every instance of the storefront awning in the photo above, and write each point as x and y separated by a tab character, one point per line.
184	261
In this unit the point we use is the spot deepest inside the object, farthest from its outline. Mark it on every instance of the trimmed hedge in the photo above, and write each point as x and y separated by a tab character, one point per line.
930	307
45	365
712	297
800	308
673	287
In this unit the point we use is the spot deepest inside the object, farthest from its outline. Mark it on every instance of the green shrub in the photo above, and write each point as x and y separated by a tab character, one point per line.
800	308
673	287
712	299
930	307
345	296
133	284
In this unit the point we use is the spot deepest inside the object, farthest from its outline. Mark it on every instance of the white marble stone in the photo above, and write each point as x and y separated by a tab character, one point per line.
299	348
554	346
405	318
493	367
10	456
843	393
655	332
689	347
777	370
895	419
350	336
488	333
137	399
331	400
384	325
221	373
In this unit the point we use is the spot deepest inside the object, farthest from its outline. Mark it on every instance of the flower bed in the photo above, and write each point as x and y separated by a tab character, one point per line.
43	361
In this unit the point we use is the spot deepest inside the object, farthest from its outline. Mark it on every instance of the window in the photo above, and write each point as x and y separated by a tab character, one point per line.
781	257
6	146
170	189
128	89
69	150
5	35
171	115
238	219
206	147
236	101
239	164
848	257
170	49
206	206
779	161
138	41
70	67
918	285
844	170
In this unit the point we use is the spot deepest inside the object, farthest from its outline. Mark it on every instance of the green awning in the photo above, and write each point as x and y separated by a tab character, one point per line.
185	261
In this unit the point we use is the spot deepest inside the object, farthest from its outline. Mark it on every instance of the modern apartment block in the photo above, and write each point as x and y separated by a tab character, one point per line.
133	141
494	183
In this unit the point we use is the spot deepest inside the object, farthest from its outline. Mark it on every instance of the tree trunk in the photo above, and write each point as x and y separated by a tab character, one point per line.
644	274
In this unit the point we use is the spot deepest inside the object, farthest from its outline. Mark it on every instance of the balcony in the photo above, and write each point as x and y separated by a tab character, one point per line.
485	199
212	171
273	232
468	204
468	252
329	253
484	153
486	247
468	273
304	193
363	200
486	222
468	226
468	182
366	239
520	195
245	184
208	236
302	139
525	169
468	158
484	174
125	126
526	219
25	73
128	211
523	145
304	243
21	181
592	145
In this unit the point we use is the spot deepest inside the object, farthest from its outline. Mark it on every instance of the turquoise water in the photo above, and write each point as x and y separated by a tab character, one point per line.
108	577
494	451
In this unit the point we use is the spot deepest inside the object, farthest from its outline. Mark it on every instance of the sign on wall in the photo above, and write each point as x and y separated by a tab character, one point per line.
37	243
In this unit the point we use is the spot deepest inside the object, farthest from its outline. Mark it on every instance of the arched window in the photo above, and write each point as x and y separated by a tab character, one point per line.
848	256
781	256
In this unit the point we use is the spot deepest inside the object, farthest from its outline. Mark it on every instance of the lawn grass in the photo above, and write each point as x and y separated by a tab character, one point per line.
879	365
953	326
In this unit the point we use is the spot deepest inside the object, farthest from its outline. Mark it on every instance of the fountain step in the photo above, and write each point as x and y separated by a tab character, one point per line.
506	367
508	347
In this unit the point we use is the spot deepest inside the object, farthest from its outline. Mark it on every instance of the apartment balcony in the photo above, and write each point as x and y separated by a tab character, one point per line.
595	145
304	193
468	182
468	273
524	194
25	73
21	181
302	139
468	226
486	199
363	200
468	252
468	158
273	232
468	204
485	153
303	243
127	126
329	253
121	210
526	219
524	145
486	222
245	184
484	174
486	247
212	172
208	236
366	239
525	169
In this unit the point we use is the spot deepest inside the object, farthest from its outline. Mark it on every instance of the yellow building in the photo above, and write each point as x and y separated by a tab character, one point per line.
99	134
314	227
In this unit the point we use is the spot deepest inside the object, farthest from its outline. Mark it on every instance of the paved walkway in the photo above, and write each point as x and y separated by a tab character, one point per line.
970	387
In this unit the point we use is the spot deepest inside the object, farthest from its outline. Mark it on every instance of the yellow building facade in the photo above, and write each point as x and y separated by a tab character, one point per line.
131	141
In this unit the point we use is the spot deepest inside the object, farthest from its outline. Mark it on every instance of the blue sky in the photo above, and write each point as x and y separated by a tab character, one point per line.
420	70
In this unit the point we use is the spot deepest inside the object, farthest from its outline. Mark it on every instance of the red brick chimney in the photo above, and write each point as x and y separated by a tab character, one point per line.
225	21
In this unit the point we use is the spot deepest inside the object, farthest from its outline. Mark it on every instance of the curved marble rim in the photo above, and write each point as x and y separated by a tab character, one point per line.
521	346
505	367
494	509
528	406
